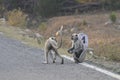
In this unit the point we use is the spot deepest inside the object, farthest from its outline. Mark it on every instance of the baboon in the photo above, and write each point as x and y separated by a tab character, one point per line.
51	45
77	47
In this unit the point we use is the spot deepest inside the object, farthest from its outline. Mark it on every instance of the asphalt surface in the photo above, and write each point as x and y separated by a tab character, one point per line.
20	62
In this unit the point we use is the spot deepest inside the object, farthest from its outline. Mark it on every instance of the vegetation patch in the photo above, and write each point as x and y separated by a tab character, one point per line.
113	17
17	18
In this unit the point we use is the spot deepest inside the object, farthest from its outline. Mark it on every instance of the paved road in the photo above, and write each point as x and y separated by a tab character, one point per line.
20	62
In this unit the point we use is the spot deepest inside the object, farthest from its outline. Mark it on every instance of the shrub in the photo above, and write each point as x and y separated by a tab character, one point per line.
115	57
42	27
84	22
17	18
113	17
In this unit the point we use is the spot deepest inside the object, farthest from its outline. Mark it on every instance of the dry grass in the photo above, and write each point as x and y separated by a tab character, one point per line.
17	18
13	32
104	39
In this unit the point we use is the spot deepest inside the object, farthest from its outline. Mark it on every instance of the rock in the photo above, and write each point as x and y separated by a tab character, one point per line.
108	23
2	20
39	38
28	31
118	27
37	35
73	29
24	42
65	31
22	33
89	26
118	22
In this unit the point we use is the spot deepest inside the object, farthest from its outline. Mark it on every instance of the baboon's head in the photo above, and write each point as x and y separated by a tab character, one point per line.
53	38
74	37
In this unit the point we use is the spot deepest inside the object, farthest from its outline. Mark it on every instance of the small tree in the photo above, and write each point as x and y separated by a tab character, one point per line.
113	17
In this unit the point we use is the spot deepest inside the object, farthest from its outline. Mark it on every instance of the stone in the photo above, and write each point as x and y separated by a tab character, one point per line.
108	23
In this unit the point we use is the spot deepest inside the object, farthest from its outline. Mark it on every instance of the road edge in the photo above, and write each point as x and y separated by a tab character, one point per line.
95	68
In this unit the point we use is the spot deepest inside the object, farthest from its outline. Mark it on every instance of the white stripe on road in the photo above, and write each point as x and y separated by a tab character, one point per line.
96	68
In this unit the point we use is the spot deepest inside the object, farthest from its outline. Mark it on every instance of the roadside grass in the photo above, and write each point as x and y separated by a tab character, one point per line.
13	32
106	44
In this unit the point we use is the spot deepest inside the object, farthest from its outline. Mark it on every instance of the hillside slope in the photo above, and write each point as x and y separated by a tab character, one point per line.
104	36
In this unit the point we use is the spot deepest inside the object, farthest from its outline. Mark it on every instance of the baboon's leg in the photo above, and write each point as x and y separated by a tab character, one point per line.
46	56
76	60
52	55
57	54
54	58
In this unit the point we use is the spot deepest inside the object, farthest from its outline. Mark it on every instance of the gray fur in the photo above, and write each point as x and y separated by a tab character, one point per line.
51	45
77	47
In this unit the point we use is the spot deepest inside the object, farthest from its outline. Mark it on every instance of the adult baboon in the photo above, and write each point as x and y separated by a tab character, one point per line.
52	45
77	48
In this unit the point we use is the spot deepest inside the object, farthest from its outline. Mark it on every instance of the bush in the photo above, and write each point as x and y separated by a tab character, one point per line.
113	17
17	18
84	22
42	27
115	57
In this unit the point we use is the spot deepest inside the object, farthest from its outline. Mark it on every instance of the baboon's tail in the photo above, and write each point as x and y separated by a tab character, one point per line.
60	43
60	33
